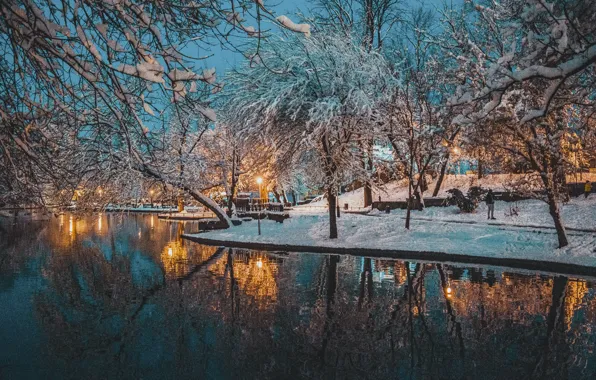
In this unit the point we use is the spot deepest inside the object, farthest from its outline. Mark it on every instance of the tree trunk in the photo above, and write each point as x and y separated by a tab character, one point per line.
234	184
294	200
332	199
367	195
480	169
555	213
276	195
562	182
197	195
553	355
368	166
453	323
553	207
441	176
284	198
409	205
366	284
331	282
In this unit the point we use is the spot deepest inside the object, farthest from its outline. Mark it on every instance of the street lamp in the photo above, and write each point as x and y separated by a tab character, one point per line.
151	197
259	181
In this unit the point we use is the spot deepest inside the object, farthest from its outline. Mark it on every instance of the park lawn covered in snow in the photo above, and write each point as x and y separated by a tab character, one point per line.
579	213
386	231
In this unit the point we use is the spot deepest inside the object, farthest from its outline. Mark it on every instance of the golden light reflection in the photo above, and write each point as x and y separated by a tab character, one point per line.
175	259
152	225
512	298
576	290
254	273
70	231
99	222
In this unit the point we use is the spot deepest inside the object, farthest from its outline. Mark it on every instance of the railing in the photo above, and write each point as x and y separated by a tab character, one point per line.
257	205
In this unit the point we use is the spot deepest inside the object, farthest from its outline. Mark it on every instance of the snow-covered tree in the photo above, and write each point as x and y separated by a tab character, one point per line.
105	74
314	101
370	23
415	125
531	64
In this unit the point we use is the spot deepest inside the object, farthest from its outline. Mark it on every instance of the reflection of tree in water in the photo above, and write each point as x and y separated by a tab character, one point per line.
419	342
255	275
86	303
18	247
239	314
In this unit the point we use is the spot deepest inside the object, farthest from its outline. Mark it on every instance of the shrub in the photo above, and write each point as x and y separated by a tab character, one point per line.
466	203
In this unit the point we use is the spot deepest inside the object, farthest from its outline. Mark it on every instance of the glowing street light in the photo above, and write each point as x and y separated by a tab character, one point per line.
259	264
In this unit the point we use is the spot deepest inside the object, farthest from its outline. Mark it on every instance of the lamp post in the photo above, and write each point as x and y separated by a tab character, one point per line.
259	181
151	197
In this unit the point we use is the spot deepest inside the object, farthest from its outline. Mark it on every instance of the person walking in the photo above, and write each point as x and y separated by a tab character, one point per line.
490	203
587	189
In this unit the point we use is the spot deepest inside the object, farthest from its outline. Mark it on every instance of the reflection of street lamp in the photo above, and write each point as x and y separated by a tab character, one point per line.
259	181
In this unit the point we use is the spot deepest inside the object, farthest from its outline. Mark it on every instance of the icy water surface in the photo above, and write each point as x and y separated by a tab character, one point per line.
117	296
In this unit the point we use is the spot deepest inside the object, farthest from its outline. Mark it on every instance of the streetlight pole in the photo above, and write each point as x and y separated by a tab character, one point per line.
259	181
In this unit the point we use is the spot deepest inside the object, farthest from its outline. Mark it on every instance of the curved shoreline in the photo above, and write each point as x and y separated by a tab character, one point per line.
526	264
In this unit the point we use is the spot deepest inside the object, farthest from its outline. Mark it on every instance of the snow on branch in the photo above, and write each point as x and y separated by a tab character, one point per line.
289	24
538	49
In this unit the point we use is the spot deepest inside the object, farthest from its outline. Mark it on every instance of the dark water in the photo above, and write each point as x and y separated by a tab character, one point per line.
118	296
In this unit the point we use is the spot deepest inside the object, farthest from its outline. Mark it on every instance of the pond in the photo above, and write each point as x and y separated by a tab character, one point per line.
123	296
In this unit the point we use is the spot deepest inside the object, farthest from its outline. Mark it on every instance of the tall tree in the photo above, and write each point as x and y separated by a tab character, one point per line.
532	63
314	100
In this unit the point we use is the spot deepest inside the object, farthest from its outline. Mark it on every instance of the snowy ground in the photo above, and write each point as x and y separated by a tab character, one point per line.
440	233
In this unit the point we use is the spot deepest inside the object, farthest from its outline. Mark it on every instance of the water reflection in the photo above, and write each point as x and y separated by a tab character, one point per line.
92	299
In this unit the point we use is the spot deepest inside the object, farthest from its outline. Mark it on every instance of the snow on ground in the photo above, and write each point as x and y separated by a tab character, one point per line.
578	213
485	238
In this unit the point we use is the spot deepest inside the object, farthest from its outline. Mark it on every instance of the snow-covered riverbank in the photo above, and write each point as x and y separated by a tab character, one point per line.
438	232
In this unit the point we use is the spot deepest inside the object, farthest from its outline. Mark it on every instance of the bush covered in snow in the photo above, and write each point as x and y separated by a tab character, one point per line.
468	202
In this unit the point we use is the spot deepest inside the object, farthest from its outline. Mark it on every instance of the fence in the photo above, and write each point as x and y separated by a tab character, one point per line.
257	205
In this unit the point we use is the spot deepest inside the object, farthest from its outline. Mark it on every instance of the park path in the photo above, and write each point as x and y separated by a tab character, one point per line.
499	224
